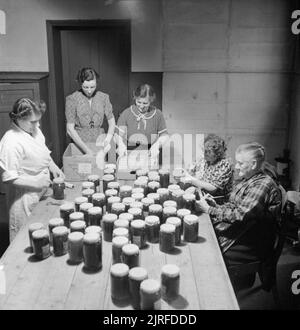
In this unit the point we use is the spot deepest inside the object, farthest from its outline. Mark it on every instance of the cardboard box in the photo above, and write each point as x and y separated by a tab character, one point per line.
77	166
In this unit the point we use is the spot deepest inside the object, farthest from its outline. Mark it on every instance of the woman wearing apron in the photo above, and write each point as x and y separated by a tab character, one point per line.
25	163
85	111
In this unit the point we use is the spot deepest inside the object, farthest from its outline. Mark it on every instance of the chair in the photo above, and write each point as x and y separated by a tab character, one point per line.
267	269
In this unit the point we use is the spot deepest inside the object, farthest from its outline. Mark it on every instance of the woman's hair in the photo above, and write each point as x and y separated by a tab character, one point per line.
144	90
216	144
86	74
256	150
25	107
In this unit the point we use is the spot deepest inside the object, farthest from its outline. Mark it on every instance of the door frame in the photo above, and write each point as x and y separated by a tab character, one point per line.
55	83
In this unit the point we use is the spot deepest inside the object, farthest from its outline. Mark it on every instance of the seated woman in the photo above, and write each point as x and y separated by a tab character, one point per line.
141	125
25	162
85	109
214	173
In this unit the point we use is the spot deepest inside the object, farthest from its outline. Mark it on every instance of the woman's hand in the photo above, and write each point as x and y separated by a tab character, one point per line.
202	205
56	171
42	181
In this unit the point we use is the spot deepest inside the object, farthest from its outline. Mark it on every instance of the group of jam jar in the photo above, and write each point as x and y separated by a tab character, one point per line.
144	293
81	245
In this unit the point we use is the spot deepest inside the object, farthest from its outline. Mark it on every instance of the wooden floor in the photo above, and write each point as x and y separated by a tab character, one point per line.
54	284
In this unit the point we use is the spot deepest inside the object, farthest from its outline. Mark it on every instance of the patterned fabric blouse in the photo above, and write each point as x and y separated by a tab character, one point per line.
258	196
88	117
219	175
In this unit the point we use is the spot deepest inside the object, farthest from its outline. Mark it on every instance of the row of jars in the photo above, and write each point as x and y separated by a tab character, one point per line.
145	293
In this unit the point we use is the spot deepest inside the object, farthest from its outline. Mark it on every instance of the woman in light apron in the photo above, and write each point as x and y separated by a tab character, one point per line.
25	163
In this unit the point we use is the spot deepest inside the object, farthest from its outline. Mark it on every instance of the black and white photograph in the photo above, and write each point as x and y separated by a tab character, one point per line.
149	158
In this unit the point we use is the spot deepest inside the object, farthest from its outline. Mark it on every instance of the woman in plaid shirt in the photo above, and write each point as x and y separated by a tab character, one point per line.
246	225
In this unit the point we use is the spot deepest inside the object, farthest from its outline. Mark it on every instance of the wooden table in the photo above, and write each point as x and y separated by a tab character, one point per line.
54	284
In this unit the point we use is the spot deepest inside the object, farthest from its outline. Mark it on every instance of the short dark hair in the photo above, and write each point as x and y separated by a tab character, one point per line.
216	144
24	107
144	90
86	74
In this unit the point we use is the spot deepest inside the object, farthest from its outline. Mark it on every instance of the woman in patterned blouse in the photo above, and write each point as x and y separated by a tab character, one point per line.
214	173
85	111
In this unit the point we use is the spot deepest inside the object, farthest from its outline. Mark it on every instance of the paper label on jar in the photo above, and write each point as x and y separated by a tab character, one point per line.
85	168
46	251
136	240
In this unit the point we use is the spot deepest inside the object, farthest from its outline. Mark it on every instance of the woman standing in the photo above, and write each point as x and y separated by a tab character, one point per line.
25	162
85	111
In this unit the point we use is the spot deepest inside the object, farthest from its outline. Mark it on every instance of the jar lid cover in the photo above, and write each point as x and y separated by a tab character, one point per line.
119	269
183	212
150	286
126	216
56	222
170	209
178	171
78	224
170	270
136	205
164	171
118	206
108	177
121	223
152	220
76	216
153	196
110	165
93	229
58	180
128	200
153	184
137	195
87	184
155	207
85	206
40	233
138	224
93	177
185	179
141	172
111	192
178	192
95	210
170	203
190	218
137	190
113	184
88	191
189	196
67	206
120	231
110	217
138	273
120	241
135	210
114	199
162	191
91	237
152	173
98	196
174	221
154	178
36	226
142	179
147	201
130	249
60	230
172	187
81	199
75	236
125	188
167	228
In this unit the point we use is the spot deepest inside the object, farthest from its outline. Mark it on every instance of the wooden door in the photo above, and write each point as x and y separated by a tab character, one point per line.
107	50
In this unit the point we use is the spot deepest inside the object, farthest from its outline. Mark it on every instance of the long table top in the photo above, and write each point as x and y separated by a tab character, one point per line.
54	284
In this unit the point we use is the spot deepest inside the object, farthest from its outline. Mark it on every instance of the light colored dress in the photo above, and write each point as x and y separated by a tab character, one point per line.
88	115
22	154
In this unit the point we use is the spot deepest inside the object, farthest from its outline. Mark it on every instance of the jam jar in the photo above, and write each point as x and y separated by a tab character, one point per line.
169	211
60	240
138	197
136	212
170	203
189	201
117	208
167	237
131	255
153	176
146	203
172	188
190	228
58	187
164	177
54	222
136	276
84	207
119	281
88	193
181	213
113	185
41	244
177	223
127	201
163	195
117	243
94	216
110	201
78	225
33	227
125	191
138	233
152	226
75	247
150	293
120	231
76	216
108	226
121	223
65	211
170	281
153	186
154	196
78	201
94	178
178	173
177	196
106	179
99	199
156	209
92	251
87	185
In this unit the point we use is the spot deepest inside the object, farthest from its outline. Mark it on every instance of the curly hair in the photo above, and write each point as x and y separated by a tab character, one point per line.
25	107
214	143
